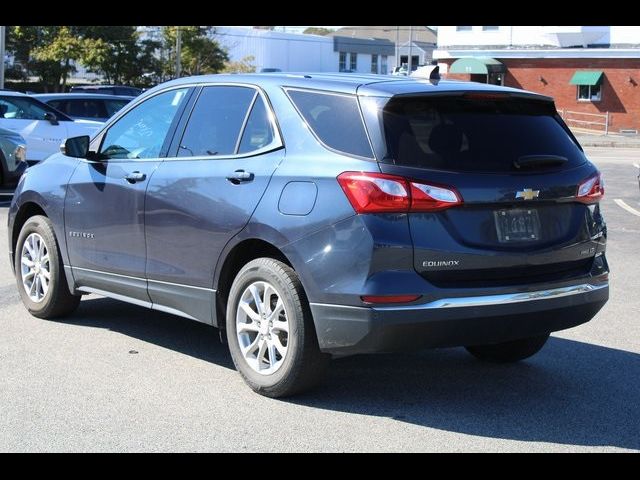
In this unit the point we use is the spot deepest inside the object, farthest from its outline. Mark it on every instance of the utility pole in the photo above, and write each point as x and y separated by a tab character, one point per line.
410	44
397	46
178	52
2	29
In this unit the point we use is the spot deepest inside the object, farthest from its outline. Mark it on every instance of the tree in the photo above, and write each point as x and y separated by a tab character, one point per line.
200	53
117	53
243	66
48	51
318	30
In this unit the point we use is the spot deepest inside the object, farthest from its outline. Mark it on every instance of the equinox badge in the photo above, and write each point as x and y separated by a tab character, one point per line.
528	194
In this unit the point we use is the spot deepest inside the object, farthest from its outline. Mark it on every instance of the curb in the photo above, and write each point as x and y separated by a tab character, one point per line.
609	144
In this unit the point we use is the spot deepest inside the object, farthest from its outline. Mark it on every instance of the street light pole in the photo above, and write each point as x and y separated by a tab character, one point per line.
410	44
397	46
178	52
2	29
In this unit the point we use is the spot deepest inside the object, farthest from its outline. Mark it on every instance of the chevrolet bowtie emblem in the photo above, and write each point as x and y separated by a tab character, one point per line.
528	194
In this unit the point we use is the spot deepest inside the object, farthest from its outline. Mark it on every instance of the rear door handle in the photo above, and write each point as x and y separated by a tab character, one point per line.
240	176
134	177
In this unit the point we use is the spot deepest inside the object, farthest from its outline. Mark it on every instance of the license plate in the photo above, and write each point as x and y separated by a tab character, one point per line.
517	225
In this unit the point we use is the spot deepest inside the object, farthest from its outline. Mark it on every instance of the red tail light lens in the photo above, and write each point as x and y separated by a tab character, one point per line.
375	192
380	193
431	198
591	190
389	298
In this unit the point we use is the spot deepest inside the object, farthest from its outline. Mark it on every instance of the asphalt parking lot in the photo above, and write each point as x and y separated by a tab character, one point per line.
116	377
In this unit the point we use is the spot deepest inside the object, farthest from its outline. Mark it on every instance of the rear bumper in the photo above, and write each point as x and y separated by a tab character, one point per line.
346	330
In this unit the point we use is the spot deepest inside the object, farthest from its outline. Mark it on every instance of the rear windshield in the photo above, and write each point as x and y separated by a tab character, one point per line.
471	133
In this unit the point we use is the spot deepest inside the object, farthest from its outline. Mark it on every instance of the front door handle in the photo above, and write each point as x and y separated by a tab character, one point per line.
240	176
134	177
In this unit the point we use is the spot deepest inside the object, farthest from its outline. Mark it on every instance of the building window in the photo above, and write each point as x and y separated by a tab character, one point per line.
463	29
353	66
342	63
383	70
589	93
374	63
490	29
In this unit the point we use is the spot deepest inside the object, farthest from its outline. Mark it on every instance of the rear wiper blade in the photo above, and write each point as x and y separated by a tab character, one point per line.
533	161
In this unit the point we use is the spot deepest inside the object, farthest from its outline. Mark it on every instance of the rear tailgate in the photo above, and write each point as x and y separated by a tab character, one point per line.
517	171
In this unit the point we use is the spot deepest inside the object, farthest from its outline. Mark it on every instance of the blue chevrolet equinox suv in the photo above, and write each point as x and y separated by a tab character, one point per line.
322	215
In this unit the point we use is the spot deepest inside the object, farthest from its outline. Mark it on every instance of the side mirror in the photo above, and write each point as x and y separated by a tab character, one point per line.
76	147
51	118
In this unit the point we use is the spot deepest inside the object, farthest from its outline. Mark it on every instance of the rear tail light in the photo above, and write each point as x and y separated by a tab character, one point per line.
389	298
380	193
591	190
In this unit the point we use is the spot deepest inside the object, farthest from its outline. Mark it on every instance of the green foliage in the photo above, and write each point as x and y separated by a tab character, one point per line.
318	30
47	52
200	54
243	66
117	53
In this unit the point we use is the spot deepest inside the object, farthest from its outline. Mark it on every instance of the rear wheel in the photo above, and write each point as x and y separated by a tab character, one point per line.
39	271
508	352
270	331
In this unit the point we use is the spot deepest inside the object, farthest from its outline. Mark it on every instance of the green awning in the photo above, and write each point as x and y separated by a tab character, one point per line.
586	78
482	65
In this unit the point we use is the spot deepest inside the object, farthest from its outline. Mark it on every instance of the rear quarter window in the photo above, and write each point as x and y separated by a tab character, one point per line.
334	119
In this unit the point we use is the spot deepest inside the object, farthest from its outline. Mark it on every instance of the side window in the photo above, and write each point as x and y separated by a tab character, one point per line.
85	108
142	131
22	108
59	105
335	120
216	121
113	106
258	133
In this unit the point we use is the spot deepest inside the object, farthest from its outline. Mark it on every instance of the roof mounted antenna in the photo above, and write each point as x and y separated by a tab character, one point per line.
435	74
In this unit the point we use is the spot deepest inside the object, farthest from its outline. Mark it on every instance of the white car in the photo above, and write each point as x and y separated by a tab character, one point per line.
43	127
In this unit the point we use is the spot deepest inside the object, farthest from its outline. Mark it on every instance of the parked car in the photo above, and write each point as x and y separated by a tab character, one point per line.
270	70
320	215
43	127
85	106
400	71
107	89
12	158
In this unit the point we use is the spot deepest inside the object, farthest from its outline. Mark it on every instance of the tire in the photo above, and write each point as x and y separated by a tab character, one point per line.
275	363
56	300
509	352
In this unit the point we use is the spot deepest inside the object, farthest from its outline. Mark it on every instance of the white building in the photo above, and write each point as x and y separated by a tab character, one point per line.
295	52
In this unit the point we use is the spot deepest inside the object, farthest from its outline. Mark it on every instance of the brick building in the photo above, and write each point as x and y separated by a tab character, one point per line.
592	72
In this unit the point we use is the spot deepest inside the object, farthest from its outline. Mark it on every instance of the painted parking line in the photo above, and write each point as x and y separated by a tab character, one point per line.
623	205
636	165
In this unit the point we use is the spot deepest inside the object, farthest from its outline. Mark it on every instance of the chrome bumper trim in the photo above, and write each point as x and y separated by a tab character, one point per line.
506	298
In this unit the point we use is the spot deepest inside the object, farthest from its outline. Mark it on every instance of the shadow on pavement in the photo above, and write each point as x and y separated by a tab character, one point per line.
571	393
169	331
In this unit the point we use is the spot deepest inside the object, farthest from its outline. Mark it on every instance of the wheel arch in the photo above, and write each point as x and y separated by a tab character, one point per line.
238	256
24	213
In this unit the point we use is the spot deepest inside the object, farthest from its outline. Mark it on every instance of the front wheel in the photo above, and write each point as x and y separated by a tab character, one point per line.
39	271
270	331
509	352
